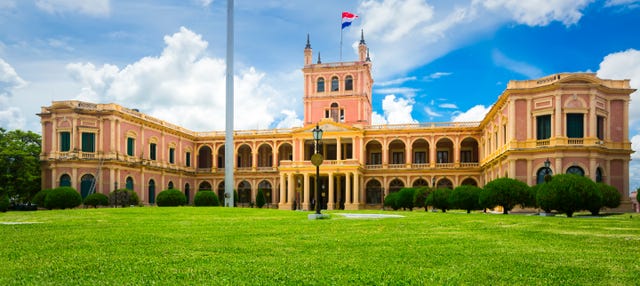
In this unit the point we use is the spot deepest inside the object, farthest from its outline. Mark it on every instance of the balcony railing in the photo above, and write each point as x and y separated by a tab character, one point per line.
445	165
469	165
544	142
396	166
420	165
573	141
374	166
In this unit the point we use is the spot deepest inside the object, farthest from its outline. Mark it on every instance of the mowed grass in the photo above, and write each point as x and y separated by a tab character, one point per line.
222	246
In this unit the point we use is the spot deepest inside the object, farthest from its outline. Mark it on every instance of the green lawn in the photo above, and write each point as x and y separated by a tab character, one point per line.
187	245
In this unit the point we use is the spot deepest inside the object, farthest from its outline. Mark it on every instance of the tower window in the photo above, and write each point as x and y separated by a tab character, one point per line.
335	84
575	125
320	87
348	83
543	127
65	141
600	127
334	112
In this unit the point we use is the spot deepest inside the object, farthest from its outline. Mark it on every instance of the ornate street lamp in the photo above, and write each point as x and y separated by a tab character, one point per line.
316	159
547	170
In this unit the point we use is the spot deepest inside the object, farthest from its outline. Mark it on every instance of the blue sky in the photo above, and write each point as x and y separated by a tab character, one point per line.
433	60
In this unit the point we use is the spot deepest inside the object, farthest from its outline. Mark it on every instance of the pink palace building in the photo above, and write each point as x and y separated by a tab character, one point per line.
576	121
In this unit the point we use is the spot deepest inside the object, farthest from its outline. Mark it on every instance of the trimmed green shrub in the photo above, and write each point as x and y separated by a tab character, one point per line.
610	195
123	198
62	198
96	199
206	199
171	198
439	199
569	193
405	198
260	200
504	192
38	199
4	204
420	197
465	197
392	201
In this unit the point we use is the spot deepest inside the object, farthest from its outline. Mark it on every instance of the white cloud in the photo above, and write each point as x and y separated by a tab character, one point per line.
10	116
395	81
89	7
406	91
437	75
397	110
290	120
475	113
4	4
631	3
539	12
522	68
635	146
448	105
625	65
377	119
185	87
205	3
430	112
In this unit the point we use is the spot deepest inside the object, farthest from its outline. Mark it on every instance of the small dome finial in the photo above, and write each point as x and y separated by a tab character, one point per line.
368	58
319	60
308	42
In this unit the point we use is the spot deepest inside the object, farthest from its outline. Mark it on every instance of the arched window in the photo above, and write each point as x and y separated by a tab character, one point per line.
187	192
395	186
335	84
575	170
129	184
170	185
348	83
445	184
335	112
320	86
204	186
244	192
374	192
598	175
542	172
469	182
65	181
86	183
152	191
420	183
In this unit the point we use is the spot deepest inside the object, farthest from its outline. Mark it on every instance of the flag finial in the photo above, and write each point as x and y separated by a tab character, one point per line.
362	37
308	43
319	60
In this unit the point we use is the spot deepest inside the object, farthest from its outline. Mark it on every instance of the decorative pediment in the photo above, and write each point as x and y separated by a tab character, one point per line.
327	125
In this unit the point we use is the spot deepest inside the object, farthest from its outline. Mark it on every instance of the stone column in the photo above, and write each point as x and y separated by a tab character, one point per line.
283	196
290	190
331	203
338	149
347	191
305	202
356	190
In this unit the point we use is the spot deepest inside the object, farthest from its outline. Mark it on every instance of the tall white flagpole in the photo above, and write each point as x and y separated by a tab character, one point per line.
228	143
341	39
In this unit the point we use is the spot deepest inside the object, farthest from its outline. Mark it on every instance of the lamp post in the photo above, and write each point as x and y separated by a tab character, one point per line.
316	159
547	170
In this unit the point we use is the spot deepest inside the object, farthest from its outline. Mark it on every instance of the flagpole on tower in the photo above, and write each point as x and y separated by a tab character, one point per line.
347	18
341	43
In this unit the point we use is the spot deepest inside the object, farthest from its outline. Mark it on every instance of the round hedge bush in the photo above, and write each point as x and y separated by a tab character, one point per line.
124	197
62	198
465	197
171	198
38	199
392	200
96	200
206	199
610	196
4	204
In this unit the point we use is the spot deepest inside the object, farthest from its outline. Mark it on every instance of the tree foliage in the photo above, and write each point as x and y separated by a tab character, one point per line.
569	193
39	197
420	197
406	198
610	195
4	203
123	198
392	201
465	197
62	198
206	199
19	164
171	198
260	200
96	199
439	199
504	192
